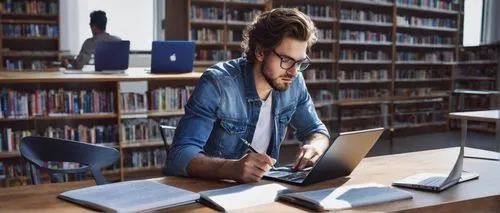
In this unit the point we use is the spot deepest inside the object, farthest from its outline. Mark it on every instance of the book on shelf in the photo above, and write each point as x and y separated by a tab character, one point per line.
314	11
346	197
154	158
99	134
170	99
130	196
437	4
29	7
364	16
30	30
10	139
134	130
415	21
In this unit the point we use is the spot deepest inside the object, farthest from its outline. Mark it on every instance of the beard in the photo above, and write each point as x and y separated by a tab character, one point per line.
274	83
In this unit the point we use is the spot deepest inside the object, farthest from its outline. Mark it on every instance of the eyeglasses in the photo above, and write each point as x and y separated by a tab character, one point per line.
287	62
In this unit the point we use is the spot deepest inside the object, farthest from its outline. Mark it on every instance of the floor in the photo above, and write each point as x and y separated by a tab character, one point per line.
415	143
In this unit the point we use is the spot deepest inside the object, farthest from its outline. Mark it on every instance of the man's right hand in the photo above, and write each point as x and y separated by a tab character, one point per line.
251	167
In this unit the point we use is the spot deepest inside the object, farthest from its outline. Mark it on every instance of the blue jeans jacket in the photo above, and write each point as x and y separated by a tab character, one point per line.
225	106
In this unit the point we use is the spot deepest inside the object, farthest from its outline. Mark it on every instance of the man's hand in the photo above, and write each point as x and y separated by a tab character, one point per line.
251	167
311	152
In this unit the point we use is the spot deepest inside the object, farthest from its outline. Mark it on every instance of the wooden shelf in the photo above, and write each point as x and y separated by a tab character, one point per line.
361	117
322	19
401	126
365	2
475	62
367	43
444	29
143	143
426	9
423	80
207	22
34	38
205	63
9	154
150	114
363	81
422	112
165	114
416	62
365	23
147	169
322	60
27	118
232	3
30	54
419	101
208	43
322	81
238	23
405	98
442	46
77	116
342	61
323	103
366	101
475	78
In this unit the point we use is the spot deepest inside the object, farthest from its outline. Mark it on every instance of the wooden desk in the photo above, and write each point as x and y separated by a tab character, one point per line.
481	195
483	115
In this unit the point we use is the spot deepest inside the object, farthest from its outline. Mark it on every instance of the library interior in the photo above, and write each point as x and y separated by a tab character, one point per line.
303	105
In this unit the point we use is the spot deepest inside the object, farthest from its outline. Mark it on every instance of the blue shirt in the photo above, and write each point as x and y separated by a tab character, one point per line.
225	106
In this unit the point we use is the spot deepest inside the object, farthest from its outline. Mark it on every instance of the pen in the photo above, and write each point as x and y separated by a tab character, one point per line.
252	149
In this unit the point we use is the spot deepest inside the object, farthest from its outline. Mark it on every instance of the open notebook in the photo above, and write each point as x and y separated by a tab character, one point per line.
242	196
346	197
130	196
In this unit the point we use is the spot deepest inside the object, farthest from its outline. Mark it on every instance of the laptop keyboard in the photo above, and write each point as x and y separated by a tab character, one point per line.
433	181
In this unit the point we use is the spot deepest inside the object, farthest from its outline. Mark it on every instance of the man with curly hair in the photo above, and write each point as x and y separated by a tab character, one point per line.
252	98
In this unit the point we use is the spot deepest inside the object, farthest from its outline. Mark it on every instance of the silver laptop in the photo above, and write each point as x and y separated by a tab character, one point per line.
339	160
438	182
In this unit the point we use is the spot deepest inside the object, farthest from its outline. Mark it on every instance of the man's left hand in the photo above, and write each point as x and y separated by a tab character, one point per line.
311	152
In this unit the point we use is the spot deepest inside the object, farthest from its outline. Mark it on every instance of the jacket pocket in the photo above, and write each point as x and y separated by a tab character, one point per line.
284	118
229	145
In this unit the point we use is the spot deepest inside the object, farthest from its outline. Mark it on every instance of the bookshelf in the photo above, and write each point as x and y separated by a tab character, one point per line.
121	111
29	36
476	83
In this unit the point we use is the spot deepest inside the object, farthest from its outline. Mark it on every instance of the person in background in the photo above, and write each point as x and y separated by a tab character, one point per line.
98	21
253	98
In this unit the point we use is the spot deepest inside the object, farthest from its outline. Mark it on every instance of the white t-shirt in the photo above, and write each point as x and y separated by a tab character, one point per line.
263	129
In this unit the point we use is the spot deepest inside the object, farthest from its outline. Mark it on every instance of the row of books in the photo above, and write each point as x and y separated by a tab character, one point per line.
235	35
100	134
10	139
477	102
246	16
351	94
479	54
315	11
354	35
322	95
408	38
475	72
134	130
363	75
325	34
206	13
30	30
51	102
476	85
410	120
346	54
134	102
422	74
31	7
361	15
12	170
207	35
321	54
437	4
420	107
438	56
365	111
19	65
169	98
317	74
212	55
419	91
146	159
326	111
426	22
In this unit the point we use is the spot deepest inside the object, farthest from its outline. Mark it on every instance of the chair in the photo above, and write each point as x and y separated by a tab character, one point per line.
38	150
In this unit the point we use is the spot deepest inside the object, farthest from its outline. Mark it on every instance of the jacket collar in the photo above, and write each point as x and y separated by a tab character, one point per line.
249	81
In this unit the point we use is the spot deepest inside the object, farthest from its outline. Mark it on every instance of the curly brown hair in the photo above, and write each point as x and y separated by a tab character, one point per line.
268	29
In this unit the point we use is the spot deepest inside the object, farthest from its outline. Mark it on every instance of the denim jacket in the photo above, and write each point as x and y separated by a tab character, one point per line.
225	106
